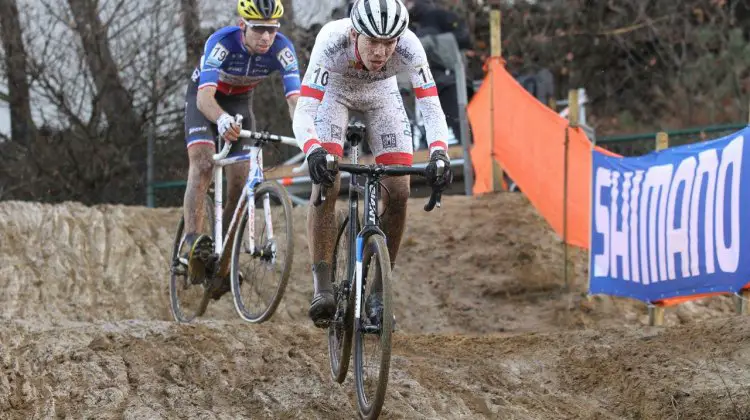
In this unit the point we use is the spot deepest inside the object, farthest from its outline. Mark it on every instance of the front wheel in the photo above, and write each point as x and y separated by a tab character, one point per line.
259	281
340	331
371	375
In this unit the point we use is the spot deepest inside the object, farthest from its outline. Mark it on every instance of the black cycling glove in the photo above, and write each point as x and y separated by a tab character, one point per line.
439	182
319	172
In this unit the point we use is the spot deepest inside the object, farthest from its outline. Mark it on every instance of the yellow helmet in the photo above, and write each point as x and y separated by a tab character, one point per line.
260	9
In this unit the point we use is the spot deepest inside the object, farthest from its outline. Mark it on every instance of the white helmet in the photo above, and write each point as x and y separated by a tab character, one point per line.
381	19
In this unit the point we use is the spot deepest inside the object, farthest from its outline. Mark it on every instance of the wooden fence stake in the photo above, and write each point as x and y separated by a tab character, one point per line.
496	50
656	312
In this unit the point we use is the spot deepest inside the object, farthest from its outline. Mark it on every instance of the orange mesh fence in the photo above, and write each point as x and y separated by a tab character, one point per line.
529	144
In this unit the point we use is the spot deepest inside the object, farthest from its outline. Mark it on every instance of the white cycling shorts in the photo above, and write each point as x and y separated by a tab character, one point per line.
387	125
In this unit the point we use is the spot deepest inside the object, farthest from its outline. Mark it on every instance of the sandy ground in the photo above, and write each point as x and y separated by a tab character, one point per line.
486	329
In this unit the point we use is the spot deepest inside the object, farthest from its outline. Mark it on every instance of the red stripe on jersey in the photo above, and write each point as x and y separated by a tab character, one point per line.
423	93
309	92
395	158
308	144
438	143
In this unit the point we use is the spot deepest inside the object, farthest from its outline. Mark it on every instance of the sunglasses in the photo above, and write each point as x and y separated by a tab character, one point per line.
260	28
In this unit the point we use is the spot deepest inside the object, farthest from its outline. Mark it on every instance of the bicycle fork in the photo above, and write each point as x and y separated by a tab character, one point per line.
370	228
255	177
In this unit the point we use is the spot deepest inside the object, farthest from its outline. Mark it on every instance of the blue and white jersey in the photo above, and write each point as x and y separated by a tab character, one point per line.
227	64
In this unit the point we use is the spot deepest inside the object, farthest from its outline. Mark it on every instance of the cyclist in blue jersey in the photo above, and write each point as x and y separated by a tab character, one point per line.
235	60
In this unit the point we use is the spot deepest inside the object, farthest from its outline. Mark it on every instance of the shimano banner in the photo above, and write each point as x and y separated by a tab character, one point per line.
672	223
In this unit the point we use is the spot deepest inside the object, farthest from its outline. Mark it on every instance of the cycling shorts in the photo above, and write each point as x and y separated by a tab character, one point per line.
199	130
388	127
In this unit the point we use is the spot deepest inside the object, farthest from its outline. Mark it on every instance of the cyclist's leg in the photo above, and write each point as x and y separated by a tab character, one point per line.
199	139
321	220
390	139
389	135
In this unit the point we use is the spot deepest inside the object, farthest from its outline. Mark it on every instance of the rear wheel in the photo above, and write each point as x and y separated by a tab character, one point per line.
340	331
372	341
187	299
260	279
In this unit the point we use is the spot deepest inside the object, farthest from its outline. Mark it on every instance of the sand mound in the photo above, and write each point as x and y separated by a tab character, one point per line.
487	329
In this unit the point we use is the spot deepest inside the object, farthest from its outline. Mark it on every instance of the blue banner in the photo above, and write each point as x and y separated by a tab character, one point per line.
673	222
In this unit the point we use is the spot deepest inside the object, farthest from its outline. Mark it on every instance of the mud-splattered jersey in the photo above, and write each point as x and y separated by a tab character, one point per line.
335	67
227	64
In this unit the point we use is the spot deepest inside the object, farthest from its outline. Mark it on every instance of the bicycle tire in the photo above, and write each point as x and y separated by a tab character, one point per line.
375	245
274	189
339	356
174	299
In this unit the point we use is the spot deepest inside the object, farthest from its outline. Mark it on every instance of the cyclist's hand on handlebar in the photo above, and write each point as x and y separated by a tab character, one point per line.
229	128
439	182
317	165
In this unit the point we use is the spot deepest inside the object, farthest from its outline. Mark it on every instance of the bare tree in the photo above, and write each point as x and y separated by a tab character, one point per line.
191	32
22	126
84	150
112	96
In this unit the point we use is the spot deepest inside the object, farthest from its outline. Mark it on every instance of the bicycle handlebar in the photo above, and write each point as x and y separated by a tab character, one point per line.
247	134
378	169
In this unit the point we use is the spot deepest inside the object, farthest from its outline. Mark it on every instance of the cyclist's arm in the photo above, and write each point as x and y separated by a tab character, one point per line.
292	102
207	104
213	58
288	64
311	95
427	96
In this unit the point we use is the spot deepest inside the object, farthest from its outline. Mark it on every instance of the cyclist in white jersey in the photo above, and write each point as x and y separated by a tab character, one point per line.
353	66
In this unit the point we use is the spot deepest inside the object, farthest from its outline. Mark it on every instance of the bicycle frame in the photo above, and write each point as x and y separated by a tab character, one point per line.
254	178
370	227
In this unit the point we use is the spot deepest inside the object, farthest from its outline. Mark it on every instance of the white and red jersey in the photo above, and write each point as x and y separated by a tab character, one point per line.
336	69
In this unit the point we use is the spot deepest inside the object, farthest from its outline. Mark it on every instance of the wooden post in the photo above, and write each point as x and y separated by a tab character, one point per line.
656	312
496	50
573	108
742	302
572	123
553	104
662	140
656	315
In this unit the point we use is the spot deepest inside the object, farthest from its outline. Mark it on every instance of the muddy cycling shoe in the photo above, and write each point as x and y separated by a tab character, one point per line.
199	251
225	286
323	304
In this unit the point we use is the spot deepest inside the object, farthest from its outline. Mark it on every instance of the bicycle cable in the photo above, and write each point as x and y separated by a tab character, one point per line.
387	202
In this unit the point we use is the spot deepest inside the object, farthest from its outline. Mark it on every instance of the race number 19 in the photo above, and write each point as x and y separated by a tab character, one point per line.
219	53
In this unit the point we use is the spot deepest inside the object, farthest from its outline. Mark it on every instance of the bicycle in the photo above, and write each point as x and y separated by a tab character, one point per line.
215	253
369	240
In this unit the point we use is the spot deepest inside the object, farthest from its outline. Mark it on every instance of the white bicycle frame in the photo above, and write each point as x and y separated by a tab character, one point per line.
254	178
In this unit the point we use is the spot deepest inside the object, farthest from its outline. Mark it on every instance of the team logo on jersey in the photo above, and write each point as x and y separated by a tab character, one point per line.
389	140
335	132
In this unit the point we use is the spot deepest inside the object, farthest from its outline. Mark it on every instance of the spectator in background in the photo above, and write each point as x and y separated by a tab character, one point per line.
426	21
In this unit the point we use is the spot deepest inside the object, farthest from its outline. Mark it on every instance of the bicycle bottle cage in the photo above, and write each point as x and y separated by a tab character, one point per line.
355	133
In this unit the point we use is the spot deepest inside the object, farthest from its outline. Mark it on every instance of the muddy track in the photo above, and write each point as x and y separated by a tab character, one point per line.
486	329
